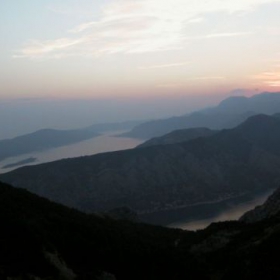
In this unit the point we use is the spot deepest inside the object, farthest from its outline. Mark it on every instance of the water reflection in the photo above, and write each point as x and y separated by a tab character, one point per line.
105	143
232	213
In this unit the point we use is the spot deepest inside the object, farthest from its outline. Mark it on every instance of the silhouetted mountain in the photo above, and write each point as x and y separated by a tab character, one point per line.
265	103
19	163
235	104
229	113
123	213
211	120
43	240
228	164
51	138
263	131
102	127
270	208
178	136
42	140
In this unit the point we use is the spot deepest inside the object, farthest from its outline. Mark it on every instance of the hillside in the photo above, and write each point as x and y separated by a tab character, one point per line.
228	164
212	120
43	240
269	209
229	113
178	136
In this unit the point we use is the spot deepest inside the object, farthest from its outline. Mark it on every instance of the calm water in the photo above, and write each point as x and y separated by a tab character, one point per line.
233	212
104	143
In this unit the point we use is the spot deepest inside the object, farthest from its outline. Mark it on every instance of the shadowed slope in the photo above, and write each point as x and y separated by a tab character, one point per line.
227	164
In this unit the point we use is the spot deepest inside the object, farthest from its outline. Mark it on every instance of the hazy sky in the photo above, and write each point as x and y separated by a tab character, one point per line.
137	48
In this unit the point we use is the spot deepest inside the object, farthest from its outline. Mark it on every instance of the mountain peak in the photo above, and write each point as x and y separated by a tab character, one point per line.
259	121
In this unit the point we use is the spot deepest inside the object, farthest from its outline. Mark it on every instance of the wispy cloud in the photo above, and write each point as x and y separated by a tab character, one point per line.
207	78
187	81
229	34
76	10
273	83
271	74
169	86
36	49
196	20
129	26
269	78
83	27
165	65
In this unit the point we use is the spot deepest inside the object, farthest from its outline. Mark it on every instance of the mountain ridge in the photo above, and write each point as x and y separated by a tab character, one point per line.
178	136
270	209
163	177
229	113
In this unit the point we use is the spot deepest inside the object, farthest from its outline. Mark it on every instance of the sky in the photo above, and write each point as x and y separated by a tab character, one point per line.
139	50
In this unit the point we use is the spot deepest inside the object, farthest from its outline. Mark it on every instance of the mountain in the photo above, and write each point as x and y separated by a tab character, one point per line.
213	120
265	103
178	136
20	163
51	138
43	240
229	164
270	209
42	140
229	113
102	127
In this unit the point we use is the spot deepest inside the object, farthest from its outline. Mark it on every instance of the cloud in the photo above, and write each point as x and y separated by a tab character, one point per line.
137	26
83	27
40	48
273	83
206	78
196	20
169	86
269	78
201	78
232	34
164	65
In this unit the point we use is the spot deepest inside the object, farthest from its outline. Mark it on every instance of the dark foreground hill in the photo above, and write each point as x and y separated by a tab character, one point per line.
229	113
43	240
229	164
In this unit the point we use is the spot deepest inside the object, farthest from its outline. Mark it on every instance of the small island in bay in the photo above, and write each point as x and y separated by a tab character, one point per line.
19	163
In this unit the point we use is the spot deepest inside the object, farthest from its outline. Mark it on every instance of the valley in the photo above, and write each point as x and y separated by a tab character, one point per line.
158	180
140	140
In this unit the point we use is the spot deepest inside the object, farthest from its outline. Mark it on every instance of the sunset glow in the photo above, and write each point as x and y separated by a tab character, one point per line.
125	48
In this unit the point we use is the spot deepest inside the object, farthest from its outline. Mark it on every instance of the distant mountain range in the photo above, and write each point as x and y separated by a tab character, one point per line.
44	240
228	114
228	164
51	138
41	240
20	163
